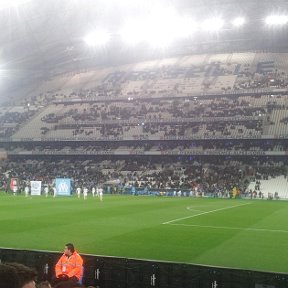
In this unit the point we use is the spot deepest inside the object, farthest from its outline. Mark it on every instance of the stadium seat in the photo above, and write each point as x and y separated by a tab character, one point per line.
80	282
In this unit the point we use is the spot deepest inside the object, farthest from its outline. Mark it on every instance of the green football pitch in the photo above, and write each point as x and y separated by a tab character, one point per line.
245	234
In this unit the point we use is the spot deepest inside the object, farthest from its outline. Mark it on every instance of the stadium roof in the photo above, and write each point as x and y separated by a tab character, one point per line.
42	38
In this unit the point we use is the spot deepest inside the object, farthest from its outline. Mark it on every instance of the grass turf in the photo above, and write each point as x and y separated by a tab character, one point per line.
245	234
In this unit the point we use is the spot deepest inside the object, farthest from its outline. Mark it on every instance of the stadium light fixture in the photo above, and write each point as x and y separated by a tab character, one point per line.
213	24
238	22
276	20
97	38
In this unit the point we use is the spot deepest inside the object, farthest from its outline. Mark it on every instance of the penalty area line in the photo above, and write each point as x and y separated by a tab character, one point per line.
203	213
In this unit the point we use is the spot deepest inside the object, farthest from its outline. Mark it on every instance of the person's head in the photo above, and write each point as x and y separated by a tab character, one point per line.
44	284
69	249
26	275
8	276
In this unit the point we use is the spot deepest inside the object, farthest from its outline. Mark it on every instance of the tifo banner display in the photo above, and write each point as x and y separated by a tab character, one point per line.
63	186
35	188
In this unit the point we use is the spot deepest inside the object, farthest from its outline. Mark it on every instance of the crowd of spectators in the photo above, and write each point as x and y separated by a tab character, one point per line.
10	121
142	124
95	114
160	109
157	80
191	118
143	147
260	147
213	176
242	117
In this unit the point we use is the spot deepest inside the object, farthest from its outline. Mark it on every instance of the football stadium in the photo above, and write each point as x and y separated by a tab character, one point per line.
150	135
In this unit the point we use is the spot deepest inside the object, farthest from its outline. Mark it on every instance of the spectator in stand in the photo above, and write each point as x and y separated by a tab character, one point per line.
69	268
8	276
26	275
44	284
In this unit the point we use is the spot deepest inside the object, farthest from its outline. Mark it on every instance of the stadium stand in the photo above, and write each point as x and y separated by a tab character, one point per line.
237	110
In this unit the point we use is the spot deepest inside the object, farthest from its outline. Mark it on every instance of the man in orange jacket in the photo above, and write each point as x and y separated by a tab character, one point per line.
69	268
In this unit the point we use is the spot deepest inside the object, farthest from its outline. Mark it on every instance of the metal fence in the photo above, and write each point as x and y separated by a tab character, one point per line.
106	272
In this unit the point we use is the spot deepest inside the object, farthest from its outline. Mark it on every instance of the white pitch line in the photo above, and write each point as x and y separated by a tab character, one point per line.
232	228
194	209
207	212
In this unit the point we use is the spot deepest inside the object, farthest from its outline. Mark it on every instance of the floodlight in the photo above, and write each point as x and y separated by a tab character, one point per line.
276	20
97	38
212	24
238	22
